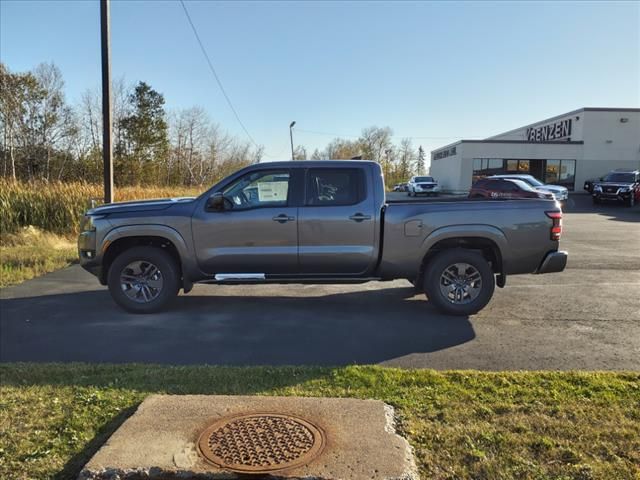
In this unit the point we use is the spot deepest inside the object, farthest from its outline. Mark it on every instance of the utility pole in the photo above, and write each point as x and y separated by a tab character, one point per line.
291	135
107	149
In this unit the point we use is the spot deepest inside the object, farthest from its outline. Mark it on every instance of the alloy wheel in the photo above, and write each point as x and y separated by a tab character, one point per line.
460	283
141	281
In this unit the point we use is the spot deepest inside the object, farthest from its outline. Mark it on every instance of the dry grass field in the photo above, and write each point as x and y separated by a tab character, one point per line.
39	221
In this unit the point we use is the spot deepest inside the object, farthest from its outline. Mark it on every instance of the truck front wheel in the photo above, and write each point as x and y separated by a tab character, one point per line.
459	282
143	279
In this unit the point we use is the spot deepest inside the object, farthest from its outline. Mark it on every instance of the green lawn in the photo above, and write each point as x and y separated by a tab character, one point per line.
463	425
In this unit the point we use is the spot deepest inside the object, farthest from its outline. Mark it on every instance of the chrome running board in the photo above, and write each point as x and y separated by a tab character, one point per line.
221	277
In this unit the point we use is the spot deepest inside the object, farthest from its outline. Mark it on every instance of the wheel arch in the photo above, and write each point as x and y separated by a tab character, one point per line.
159	236
487	240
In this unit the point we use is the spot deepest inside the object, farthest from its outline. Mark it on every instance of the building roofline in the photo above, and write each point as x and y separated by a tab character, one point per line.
488	140
572	112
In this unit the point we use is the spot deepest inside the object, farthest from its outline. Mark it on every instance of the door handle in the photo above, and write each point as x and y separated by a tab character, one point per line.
359	217
282	218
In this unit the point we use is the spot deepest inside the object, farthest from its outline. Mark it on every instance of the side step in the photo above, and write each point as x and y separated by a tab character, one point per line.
256	278
223	277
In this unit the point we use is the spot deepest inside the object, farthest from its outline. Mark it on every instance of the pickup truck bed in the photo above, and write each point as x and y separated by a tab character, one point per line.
325	221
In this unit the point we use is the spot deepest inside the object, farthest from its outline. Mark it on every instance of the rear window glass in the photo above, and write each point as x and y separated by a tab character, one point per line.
340	186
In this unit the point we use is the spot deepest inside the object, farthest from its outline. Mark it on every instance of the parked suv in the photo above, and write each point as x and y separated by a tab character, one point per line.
419	185
506	188
618	186
561	193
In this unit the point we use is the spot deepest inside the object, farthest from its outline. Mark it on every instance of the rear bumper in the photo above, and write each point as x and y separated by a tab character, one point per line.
553	262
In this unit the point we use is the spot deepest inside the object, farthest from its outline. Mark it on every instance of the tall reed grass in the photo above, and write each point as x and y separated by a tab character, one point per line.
57	207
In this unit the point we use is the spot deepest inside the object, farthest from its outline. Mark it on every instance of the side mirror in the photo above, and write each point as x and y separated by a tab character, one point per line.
215	202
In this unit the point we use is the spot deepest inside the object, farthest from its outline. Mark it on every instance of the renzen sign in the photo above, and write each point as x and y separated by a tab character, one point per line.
548	133
444	153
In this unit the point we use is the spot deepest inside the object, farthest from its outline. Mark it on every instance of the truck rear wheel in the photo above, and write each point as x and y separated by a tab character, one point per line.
459	282
143	279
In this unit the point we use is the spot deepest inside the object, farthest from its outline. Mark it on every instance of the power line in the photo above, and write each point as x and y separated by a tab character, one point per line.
329	134
215	74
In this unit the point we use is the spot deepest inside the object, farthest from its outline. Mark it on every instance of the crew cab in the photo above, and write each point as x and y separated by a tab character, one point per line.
498	187
317	222
618	186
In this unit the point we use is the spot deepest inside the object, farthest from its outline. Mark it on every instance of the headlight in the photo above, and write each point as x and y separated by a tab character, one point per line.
597	188
624	189
87	225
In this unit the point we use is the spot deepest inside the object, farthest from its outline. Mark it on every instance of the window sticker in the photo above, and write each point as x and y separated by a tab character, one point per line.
272	191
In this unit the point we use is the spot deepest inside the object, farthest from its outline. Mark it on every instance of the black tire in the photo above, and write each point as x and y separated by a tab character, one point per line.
446	259
168	269
596	200
409	192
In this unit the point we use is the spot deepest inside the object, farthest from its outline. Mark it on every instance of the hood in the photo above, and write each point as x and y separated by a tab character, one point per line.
138	206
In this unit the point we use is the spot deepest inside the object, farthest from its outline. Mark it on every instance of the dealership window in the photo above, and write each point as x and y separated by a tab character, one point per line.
561	172
484	167
520	167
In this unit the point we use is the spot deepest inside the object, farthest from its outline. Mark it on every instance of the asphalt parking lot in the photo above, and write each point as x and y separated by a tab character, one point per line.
587	317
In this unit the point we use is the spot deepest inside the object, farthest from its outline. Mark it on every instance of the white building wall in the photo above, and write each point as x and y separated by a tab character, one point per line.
608	144
448	172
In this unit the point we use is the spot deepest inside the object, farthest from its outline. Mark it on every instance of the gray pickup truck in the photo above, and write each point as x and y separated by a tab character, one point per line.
317	222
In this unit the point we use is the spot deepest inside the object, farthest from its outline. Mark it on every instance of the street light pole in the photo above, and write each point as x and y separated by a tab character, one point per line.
291	135
107	153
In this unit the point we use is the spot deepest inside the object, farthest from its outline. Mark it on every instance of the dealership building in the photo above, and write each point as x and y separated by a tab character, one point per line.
564	150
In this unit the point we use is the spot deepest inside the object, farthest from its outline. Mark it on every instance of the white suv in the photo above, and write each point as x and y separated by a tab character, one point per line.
422	185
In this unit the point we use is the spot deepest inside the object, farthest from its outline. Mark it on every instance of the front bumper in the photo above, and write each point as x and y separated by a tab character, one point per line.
617	196
561	196
88	254
553	262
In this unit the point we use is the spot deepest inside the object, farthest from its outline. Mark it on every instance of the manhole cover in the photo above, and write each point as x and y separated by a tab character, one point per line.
260	442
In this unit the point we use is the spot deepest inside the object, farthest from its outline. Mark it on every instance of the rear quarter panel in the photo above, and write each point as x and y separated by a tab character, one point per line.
519	228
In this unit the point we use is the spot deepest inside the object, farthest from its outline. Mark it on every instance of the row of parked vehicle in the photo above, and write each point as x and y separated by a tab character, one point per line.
517	186
497	186
618	185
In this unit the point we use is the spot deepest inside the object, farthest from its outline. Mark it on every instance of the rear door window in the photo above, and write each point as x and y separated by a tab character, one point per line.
334	187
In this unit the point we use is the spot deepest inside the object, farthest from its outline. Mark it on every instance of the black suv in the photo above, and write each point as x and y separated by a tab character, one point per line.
620	186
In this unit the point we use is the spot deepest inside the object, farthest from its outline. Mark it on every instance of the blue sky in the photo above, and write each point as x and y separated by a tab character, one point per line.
426	69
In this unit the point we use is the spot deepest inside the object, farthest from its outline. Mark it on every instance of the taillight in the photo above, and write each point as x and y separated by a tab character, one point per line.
556	227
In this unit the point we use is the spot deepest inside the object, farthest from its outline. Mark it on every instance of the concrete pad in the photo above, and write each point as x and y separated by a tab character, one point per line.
160	440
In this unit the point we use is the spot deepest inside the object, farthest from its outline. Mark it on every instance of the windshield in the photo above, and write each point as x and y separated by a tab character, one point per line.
423	179
522	183
619	177
532	181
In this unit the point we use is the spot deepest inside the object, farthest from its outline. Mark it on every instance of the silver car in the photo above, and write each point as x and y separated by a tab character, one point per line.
559	192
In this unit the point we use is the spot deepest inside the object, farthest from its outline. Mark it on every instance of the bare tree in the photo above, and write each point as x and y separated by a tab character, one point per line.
55	117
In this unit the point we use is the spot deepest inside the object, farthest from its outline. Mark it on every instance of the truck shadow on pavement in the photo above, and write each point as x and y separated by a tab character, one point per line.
226	328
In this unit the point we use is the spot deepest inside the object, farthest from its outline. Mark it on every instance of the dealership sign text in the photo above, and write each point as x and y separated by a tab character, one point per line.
553	131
